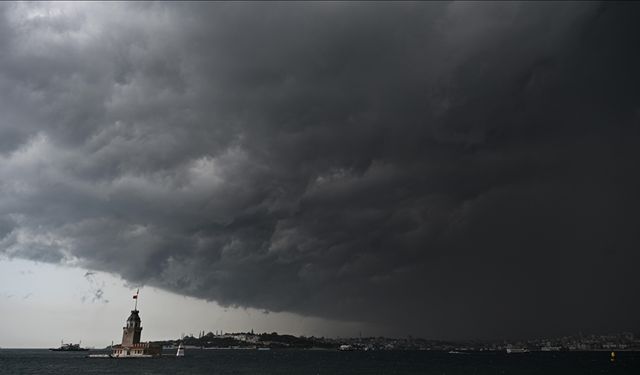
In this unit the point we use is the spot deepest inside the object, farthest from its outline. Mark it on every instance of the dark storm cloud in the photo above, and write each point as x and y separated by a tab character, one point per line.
442	169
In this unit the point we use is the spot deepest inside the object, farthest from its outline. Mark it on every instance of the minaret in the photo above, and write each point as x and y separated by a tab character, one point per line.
132	331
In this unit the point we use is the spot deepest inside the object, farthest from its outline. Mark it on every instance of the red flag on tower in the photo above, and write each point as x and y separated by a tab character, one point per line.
135	296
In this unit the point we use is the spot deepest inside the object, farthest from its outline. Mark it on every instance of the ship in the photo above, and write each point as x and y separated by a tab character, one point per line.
69	347
517	350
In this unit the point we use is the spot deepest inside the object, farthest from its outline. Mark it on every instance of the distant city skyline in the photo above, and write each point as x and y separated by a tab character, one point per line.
448	170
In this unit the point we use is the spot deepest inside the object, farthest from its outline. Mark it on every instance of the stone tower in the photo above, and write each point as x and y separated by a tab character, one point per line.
132	331
131	346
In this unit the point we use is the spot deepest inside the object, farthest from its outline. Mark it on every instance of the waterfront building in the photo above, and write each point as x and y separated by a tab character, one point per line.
131	345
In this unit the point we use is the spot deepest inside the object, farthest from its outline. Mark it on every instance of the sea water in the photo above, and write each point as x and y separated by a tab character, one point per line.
38	361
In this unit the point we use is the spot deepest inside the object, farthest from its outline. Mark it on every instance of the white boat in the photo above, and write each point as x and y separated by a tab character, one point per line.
69	348
517	350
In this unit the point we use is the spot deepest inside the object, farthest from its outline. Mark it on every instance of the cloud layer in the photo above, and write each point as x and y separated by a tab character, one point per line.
441	169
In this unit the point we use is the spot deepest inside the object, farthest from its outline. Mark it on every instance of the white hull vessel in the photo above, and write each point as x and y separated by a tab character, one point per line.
517	350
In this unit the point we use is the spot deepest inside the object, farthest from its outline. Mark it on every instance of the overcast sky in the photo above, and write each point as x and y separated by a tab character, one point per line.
446	170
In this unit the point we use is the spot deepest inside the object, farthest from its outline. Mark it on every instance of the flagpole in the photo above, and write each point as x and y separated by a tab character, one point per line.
136	306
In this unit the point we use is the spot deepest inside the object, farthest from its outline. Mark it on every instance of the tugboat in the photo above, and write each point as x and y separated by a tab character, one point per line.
69	347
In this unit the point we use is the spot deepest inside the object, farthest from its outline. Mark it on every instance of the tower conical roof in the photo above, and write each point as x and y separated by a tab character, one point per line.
133	319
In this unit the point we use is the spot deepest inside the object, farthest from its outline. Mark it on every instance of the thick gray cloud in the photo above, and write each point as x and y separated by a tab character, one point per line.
440	169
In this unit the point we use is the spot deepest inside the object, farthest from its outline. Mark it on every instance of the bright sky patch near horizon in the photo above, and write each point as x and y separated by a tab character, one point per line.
41	304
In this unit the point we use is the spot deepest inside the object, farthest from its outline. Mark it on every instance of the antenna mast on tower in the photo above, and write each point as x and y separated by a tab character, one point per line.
135	308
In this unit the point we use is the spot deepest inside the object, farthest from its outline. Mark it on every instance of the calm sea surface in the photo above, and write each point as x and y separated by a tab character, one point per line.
20	361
